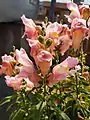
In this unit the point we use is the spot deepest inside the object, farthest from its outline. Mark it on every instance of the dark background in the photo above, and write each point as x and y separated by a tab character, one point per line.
10	34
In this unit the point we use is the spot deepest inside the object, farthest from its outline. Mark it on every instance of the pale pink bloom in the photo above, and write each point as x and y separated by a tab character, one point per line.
52	30
54	79
27	69
70	62
25	76
13	82
29	83
44	61
7	58
61	71
35	46
79	30
77	67
35	78
31	74
16	82
78	23
30	27
84	11
65	30
6	67
74	11
22	57
66	42
73	71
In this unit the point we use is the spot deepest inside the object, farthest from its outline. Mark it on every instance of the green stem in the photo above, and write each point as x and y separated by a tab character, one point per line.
23	97
44	85
76	78
82	57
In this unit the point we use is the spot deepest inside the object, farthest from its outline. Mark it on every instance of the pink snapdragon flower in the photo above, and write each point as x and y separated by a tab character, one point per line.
74	11
61	71
7	58
66	42
22	57
73	71
27	69
16	82
6	67
35	46
79	30
30	27
53	30
44	61
84	11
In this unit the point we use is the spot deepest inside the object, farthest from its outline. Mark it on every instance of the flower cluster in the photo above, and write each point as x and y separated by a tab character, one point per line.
43	50
47	44
43	42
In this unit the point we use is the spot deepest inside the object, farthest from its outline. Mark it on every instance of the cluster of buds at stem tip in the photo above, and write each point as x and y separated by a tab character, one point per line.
47	42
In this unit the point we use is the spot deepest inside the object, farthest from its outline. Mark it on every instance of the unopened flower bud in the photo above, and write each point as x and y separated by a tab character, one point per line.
48	42
46	20
41	39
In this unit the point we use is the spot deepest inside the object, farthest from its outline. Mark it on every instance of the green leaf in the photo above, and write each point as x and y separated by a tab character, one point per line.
12	114
18	115
64	116
41	105
11	106
85	83
36	115
5	100
37	110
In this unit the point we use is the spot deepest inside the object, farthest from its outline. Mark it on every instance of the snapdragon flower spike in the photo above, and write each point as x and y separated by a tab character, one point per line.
61	71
